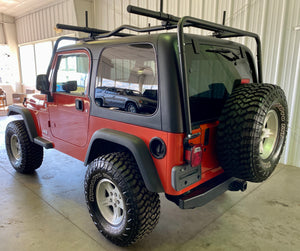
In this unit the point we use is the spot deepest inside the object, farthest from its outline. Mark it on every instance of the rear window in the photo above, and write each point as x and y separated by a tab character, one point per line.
213	71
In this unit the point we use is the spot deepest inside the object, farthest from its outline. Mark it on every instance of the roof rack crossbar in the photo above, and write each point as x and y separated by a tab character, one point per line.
198	23
154	14
92	31
136	29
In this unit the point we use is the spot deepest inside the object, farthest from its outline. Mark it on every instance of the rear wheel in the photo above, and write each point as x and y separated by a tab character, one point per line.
131	107
123	210
252	131
24	155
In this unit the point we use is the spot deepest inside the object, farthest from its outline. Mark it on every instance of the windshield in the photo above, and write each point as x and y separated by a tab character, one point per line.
132	93
213	71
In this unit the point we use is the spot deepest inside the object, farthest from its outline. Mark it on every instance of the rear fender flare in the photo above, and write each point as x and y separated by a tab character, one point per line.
133	144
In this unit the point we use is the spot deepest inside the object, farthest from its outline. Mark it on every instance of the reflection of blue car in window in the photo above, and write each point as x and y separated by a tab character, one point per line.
125	99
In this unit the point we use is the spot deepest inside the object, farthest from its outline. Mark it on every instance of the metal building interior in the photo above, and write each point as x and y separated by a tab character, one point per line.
47	210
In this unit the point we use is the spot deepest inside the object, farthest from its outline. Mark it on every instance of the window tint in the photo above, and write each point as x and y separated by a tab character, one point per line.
212	73
72	74
127	79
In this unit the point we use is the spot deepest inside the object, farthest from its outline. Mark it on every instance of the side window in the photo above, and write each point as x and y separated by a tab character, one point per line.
72	74
127	79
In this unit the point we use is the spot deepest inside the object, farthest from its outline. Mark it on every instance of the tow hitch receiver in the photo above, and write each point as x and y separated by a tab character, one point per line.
208	191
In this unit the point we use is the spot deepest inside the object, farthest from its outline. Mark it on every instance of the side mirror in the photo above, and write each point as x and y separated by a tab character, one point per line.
42	84
70	86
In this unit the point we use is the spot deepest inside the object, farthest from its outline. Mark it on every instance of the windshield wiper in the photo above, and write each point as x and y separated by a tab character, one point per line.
223	53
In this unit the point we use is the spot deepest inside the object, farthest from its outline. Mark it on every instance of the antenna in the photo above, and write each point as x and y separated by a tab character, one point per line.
161	6
86	19
224	17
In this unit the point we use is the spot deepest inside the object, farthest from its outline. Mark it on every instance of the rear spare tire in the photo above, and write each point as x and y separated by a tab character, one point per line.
252	131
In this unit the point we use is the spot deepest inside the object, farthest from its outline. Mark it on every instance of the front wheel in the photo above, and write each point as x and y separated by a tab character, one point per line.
24	155
120	205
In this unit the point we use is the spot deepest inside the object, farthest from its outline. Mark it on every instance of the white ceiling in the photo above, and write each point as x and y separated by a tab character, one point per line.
18	8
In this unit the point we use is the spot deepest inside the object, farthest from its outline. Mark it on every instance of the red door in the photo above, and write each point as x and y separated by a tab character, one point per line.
69	111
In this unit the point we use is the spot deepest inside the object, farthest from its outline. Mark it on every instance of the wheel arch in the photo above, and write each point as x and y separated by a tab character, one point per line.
100	98
107	140
131	101
27	117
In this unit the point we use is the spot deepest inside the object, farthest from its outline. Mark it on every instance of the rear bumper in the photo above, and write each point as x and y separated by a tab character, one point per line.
205	192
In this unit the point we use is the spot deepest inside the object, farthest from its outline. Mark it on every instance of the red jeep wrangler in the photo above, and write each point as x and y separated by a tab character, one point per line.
174	113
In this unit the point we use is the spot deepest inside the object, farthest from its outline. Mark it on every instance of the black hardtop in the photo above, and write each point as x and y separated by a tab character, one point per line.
166	46
96	46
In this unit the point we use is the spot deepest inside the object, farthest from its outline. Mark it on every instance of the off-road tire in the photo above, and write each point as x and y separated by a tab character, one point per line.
141	208
243	131
24	155
131	107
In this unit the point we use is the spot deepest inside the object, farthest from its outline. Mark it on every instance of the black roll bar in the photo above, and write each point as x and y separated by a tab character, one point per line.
221	31
231	32
55	49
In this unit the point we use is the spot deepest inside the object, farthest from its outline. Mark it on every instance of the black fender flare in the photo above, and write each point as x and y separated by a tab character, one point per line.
27	117
138	149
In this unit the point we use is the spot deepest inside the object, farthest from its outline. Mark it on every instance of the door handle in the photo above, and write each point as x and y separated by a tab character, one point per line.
79	104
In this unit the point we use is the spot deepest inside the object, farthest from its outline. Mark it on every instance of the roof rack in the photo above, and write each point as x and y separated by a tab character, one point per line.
172	22
168	22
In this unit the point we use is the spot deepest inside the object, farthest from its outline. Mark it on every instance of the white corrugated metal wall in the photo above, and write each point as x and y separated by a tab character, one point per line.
39	25
2	35
276	21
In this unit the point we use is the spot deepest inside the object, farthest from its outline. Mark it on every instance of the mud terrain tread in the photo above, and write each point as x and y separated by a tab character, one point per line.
31	153
239	130
143	207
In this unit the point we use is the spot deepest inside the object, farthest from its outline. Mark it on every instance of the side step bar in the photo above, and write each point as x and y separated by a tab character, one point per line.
43	142
208	191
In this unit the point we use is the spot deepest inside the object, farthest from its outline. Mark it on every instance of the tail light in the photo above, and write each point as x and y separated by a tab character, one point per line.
245	81
193	155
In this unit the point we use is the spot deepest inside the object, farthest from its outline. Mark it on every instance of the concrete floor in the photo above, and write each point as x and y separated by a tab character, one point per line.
47	211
